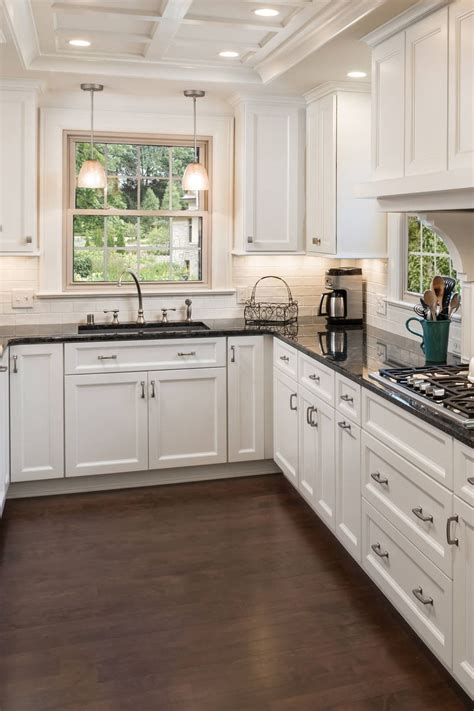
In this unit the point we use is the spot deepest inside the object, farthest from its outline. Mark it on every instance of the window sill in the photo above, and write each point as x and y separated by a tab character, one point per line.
127	292
408	306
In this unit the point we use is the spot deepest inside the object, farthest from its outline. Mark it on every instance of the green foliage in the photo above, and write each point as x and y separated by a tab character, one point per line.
427	257
82	266
173	201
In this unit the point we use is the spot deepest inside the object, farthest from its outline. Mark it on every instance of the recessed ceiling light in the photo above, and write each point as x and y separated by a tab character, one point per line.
228	54
266	12
79	43
356	75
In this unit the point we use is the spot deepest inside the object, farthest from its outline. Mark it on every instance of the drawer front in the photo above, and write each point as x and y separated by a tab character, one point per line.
414	503
285	358
464	472
430	449
111	356
317	378
348	398
407	578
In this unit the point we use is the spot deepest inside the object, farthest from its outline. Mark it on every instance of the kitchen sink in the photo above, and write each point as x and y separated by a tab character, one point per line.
133	329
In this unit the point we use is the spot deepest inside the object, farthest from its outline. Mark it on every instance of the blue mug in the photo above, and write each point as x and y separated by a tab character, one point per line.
434	338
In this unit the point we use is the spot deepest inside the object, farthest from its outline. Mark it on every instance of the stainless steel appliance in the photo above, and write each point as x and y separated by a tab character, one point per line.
444	388
333	343
343	304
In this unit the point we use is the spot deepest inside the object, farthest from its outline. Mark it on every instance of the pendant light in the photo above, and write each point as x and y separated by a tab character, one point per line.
195	176
92	173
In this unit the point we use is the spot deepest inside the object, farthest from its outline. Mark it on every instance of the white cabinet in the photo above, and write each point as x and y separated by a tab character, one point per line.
316	456
269	176
338	157
461	85
187	417
4	431
426	108
245	398
464	472
348	486
36	412
463	596
18	176
106	423
285	425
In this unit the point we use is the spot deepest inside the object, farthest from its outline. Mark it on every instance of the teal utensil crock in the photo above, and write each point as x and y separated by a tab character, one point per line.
434	338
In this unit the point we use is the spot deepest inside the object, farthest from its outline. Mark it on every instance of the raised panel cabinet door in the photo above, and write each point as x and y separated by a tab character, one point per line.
316	456
426	112
321	211
461	85
245	398
285	425
348	486
4	431
388	101
187	417
36	412
463	596
106	423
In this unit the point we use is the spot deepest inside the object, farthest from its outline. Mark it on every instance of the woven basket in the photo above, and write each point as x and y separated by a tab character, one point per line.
269	313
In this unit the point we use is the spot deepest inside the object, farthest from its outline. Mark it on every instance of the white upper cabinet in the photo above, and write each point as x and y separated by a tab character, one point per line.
461	85
337	158
269	177
18	167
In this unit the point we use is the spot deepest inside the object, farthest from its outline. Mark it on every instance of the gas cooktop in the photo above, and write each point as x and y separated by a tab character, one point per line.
444	388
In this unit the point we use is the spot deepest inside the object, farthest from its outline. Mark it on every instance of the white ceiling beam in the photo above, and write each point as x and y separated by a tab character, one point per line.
230	22
165	30
220	43
287	3
105	10
101	34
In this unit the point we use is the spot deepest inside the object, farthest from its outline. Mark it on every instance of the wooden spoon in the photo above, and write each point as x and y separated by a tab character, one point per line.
454	304
438	286
429	297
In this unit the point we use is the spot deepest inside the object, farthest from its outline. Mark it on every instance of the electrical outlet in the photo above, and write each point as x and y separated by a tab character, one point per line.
381	305
456	347
22	298
242	294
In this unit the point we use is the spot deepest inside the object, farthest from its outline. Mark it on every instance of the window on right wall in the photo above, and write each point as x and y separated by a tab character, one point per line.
426	255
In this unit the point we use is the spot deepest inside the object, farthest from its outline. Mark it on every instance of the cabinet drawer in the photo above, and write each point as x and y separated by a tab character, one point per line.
348	398
406	577
285	357
317	378
464	472
426	446
404	494
111	356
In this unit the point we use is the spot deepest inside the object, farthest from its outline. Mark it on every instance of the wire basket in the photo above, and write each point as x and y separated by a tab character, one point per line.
274	315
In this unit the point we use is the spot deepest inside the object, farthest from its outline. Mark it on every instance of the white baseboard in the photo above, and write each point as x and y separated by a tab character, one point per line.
156	477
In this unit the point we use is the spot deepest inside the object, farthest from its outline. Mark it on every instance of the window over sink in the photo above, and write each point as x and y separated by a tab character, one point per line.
143	220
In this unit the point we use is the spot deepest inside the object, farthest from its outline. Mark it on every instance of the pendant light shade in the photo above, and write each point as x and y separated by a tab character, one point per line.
195	176
92	173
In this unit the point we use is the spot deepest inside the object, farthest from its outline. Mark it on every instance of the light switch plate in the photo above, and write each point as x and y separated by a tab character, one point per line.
381	305
22	298
242	294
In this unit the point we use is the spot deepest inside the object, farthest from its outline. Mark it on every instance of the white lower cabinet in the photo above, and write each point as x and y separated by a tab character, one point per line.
106	423
187	417
246	398
285	425
36	412
463	595
4	431
316	456
348	485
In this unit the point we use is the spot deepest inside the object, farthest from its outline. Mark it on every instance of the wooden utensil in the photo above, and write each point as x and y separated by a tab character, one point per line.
429	297
438	286
454	304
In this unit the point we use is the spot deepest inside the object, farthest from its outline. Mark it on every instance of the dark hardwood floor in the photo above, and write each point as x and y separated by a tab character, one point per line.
216	596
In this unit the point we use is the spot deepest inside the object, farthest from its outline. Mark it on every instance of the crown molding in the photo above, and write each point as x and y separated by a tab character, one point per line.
273	99
15	84
401	22
332	87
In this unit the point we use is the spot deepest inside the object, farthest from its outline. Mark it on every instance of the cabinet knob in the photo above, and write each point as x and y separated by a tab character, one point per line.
29	239
250	240
316	241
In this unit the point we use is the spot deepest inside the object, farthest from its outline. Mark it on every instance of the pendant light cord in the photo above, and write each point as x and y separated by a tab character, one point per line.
195	139
92	124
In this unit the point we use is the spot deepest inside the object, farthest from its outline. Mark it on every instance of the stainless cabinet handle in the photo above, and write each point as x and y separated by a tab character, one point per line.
285	359
3	368
377	548
15	363
309	416
314	377
250	240
344	425
347	398
291	401
418	593
470	480
452	541
142	385
152	383
376	476
316	241
191	353
232	357
418	511
112	357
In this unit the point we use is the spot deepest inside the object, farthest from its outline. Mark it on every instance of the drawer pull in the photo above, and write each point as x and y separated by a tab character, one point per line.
377	548
153	393
344	425
470	480
285	359
347	398
15	363
293	407
112	357
314	377
376	476
309	416
452	541
142	385
191	353
418	511
232	354
418	593
3	368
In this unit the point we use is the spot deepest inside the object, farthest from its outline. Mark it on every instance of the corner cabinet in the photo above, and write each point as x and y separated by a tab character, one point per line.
269	176
18	167
338	157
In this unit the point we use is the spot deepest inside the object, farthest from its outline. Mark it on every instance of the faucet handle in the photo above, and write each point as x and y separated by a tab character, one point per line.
164	317
115	312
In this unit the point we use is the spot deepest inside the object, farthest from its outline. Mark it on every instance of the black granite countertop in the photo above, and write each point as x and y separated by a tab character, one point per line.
362	350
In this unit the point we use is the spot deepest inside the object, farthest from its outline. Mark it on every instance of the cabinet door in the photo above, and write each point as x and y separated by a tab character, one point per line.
316	456
463	600
426	111
17	171
4	431
106	423
348	487
461	85
187	417
321	176
245	397
285	425
388	101
36	412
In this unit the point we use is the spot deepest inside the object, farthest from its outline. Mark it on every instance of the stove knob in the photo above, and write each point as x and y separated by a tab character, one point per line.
438	392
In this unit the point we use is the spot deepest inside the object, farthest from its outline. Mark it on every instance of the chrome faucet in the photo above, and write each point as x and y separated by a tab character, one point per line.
189	310
140	316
